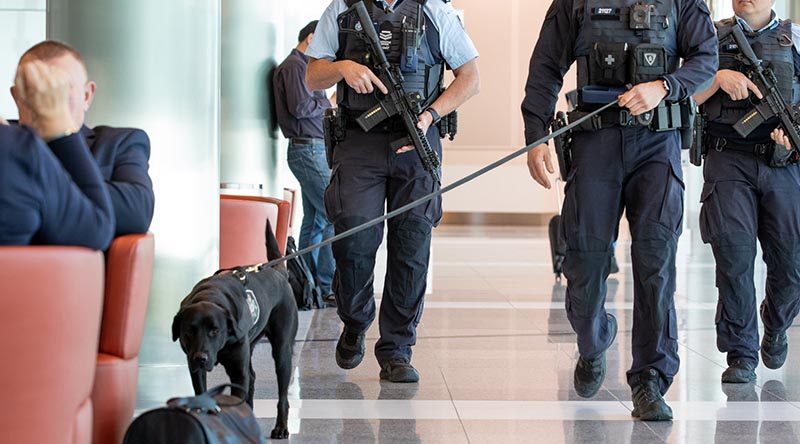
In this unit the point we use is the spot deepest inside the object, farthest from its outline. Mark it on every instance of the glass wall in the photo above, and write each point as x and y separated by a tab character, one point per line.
22	24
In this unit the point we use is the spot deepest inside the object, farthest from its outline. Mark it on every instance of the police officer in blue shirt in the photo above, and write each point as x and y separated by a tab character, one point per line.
750	193
628	159
368	175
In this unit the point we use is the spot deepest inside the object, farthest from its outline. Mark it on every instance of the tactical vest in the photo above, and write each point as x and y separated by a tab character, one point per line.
775	48
419	59
625	42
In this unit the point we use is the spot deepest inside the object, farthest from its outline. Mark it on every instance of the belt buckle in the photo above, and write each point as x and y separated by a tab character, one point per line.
626	119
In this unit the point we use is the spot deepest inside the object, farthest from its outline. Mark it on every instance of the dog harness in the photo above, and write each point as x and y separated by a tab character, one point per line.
252	302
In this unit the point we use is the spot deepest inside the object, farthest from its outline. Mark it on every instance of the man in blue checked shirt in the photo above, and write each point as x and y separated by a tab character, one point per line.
369	176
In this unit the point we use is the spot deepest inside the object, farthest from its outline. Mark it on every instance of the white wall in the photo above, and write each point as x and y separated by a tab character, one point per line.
490	125
22	24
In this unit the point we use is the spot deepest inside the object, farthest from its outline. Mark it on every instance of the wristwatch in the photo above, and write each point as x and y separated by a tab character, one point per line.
434	114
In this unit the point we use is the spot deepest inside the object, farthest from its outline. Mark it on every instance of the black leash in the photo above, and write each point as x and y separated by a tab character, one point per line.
441	191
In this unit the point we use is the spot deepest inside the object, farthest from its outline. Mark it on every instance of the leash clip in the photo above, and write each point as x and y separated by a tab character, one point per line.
239	275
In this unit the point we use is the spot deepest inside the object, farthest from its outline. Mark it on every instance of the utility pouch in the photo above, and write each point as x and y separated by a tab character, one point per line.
688	116
648	63
608	64
448	126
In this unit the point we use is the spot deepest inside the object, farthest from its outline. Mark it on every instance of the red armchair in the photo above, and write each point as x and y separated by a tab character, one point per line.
52	300
242	220
129	271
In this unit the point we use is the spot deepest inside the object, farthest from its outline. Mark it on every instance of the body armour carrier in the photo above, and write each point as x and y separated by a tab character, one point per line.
625	42
775	48
409	40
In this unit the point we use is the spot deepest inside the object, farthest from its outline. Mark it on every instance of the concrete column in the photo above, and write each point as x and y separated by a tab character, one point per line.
157	67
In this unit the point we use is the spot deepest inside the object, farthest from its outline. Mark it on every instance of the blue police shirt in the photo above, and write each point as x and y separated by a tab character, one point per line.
454	43
774	23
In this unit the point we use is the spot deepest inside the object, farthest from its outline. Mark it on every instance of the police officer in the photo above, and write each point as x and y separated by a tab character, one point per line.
368	175
620	162
750	192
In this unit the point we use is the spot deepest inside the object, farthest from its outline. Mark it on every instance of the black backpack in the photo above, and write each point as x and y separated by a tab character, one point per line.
307	293
210	418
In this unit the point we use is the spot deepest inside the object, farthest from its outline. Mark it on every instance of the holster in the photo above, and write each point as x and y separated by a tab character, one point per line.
563	145
697	152
334	127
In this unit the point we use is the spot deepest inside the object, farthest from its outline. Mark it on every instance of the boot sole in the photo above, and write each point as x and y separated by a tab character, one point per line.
771	362
747	380
653	417
348	364
408	380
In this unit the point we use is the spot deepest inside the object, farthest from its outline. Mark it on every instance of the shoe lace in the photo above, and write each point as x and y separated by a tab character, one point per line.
647	393
595	366
776	339
741	364
398	362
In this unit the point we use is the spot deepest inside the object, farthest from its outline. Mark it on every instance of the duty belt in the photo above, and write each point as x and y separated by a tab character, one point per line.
612	118
763	150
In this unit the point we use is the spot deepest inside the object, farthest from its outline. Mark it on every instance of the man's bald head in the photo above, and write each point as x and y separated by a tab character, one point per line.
51	49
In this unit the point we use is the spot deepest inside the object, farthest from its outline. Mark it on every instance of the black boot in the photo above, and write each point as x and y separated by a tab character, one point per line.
590	373
399	370
774	349
648	404
350	349
739	372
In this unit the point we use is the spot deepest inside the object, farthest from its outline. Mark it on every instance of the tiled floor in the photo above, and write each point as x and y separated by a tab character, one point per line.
496	355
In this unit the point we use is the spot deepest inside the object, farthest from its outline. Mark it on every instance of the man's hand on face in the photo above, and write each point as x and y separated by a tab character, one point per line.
643	97
425	121
45	91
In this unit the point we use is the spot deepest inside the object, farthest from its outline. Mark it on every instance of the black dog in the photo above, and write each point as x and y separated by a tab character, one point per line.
224	317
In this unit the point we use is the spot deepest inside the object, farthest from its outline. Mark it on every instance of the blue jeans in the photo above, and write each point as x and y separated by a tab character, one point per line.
310	167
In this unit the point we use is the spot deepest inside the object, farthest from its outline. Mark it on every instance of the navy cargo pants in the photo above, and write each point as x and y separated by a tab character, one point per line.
636	170
368	177
744	199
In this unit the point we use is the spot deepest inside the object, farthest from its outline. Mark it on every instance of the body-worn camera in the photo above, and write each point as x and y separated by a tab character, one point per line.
641	16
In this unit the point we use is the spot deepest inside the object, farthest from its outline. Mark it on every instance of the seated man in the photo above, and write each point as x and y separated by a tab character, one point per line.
122	154
51	195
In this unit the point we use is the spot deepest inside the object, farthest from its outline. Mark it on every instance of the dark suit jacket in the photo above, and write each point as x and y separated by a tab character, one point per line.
51	194
123	155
